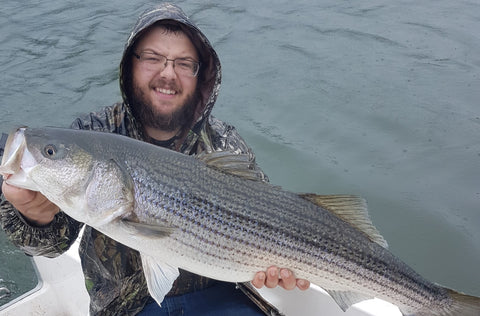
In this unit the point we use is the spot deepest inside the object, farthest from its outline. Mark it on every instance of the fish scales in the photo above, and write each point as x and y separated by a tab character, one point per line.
204	215
256	200
246	198
236	199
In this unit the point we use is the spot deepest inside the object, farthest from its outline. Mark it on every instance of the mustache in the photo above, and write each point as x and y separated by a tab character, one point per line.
165	84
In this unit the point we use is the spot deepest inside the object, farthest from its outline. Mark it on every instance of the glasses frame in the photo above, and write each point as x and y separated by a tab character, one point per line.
194	74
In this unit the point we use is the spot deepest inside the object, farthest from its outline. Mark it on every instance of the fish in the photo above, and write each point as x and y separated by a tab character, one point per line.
211	215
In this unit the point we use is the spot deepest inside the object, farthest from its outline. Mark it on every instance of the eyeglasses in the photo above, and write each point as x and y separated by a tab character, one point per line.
157	62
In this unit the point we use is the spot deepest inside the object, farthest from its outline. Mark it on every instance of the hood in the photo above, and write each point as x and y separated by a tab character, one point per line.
209	77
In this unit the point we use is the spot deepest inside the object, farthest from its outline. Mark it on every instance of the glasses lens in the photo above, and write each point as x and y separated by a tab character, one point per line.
186	67
152	59
157	62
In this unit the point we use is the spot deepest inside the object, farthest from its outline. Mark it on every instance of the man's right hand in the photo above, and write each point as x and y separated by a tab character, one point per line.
34	206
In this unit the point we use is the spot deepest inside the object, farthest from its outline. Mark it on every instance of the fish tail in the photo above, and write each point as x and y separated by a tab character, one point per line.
462	304
455	304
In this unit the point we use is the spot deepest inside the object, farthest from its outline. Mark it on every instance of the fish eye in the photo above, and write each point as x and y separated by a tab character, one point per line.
50	151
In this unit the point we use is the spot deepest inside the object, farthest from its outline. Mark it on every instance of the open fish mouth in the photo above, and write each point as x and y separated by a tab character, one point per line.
12	155
17	161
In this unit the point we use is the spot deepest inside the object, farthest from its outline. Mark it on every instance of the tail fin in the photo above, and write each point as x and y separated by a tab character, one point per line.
463	304
458	304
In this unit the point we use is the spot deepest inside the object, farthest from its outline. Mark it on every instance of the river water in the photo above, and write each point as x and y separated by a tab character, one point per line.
377	98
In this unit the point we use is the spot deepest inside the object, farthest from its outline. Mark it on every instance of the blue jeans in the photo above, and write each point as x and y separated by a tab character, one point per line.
222	299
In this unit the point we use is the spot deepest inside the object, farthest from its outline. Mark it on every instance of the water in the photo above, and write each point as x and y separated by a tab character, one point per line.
371	98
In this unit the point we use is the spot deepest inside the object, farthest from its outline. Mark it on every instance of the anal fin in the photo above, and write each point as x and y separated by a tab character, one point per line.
345	299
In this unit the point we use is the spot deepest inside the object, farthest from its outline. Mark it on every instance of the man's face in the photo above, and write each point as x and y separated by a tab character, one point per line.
164	100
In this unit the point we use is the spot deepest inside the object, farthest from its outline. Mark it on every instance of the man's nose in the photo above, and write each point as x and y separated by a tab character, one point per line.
169	69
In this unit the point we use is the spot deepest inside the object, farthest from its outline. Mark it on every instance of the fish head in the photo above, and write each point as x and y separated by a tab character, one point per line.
43	160
72	169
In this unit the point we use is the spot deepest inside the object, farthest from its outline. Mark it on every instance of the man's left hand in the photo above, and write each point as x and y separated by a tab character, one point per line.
274	277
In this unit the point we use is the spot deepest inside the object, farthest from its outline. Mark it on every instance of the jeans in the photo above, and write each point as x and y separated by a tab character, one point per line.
222	299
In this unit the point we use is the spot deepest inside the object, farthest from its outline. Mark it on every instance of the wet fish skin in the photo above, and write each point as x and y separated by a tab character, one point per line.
179	211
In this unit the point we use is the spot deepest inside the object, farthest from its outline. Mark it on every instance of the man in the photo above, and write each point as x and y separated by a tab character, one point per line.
169	78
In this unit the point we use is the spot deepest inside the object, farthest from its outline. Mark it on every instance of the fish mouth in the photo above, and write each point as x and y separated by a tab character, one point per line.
13	152
17	161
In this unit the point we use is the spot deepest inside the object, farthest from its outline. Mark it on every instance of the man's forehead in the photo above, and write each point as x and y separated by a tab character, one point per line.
156	36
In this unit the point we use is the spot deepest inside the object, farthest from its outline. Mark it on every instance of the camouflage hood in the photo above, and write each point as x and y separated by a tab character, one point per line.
209	77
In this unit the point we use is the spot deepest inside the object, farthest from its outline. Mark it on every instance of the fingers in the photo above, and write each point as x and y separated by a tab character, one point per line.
259	279
17	195
303	285
270	278
33	205
274	277
288	281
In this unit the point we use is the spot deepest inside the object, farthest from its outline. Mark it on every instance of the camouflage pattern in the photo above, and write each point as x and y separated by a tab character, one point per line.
113	273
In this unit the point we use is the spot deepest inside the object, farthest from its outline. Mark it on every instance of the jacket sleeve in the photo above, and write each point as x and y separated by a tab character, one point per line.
50	241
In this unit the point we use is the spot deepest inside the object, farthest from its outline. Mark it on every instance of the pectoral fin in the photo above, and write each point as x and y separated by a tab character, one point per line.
160	277
147	230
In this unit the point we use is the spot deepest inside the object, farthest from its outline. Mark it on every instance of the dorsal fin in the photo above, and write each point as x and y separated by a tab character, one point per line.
240	165
352	209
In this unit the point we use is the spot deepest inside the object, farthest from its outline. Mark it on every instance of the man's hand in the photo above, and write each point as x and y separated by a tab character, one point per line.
34	206
279	277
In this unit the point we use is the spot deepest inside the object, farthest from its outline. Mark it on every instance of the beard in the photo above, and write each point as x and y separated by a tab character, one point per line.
146	113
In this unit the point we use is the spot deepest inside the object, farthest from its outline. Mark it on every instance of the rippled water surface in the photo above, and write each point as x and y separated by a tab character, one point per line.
371	98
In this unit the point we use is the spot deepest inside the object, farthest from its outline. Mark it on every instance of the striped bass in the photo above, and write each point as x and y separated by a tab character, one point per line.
209	215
